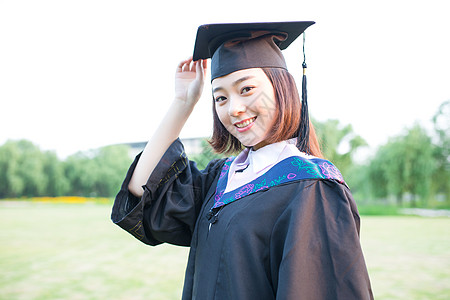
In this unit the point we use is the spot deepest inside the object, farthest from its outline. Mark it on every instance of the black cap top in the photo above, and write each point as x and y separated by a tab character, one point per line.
238	46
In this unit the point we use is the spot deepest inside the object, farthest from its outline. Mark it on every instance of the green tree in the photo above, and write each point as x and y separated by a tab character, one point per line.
11	184
441	178
111	164
78	169
339	143
207	154
404	166
57	184
420	164
23	168
97	172
385	176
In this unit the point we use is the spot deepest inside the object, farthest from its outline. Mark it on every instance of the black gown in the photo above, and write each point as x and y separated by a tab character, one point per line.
298	240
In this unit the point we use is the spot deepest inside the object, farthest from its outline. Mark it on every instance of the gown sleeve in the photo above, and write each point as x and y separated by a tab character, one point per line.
173	196
316	252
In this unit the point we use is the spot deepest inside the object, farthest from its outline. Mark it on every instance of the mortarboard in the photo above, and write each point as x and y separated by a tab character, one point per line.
238	46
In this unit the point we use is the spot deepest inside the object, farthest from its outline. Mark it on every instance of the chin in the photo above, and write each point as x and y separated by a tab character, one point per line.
252	144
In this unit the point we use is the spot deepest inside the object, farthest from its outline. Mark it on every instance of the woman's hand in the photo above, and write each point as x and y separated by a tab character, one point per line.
189	81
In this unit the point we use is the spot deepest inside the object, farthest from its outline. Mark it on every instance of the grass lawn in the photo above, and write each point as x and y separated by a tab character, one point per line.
407	257
73	251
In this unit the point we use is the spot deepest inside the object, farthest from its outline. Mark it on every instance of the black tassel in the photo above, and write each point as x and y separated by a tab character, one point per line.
303	130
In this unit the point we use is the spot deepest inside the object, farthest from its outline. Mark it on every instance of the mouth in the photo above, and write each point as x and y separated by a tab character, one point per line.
245	124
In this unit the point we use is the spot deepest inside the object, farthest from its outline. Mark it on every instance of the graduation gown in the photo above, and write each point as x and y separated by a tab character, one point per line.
294	240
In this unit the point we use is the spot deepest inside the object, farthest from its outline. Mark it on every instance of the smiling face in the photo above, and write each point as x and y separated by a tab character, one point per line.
246	106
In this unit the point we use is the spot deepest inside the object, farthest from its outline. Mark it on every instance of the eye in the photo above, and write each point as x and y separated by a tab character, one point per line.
220	99
246	89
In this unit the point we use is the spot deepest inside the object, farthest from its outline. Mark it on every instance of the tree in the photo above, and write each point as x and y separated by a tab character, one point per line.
111	164
441	178
419	163
79	171
57	183
23	167
28	171
338	143
385	172
11	184
207	154
404	166
97	172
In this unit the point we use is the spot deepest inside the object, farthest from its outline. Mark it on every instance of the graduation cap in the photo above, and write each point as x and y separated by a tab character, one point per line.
238	46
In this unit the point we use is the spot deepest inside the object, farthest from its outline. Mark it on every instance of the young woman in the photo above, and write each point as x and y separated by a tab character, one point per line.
275	222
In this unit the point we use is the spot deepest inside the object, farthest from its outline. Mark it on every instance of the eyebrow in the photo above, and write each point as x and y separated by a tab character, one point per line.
234	83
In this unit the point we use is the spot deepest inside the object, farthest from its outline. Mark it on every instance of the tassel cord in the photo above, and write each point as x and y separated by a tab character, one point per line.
303	130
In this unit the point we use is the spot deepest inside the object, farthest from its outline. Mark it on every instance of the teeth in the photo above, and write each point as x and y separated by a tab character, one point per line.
246	123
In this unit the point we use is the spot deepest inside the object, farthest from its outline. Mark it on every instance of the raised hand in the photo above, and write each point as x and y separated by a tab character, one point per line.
189	80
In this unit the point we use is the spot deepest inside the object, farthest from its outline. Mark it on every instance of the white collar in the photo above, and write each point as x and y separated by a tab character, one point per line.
265	157
251	164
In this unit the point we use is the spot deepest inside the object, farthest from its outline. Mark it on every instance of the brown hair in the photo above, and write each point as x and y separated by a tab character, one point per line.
286	121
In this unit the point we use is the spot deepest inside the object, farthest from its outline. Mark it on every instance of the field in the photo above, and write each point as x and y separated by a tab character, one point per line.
73	251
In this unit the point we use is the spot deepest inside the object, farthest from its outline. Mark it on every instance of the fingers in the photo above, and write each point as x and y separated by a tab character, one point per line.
200	68
188	65
204	66
184	65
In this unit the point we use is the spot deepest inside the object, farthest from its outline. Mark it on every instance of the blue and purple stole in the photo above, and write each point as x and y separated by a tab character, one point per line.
290	169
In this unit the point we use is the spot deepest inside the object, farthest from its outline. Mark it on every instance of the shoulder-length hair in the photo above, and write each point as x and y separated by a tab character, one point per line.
286	121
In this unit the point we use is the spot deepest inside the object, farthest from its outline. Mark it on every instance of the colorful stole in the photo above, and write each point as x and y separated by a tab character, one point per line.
290	169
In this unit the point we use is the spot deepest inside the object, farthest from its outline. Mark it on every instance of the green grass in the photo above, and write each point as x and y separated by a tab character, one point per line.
73	251
378	210
407	257
66	251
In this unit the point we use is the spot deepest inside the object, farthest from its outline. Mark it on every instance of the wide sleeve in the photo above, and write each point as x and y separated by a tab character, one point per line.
315	248
173	196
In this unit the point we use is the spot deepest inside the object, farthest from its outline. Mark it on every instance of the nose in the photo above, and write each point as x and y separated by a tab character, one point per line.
236	107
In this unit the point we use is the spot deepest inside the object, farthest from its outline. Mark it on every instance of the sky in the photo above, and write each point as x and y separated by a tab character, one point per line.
77	75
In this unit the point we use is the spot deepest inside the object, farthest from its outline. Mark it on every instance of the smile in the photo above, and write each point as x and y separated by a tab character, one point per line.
245	124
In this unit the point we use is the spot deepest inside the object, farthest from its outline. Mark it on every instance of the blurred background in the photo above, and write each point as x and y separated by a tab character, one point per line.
83	85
